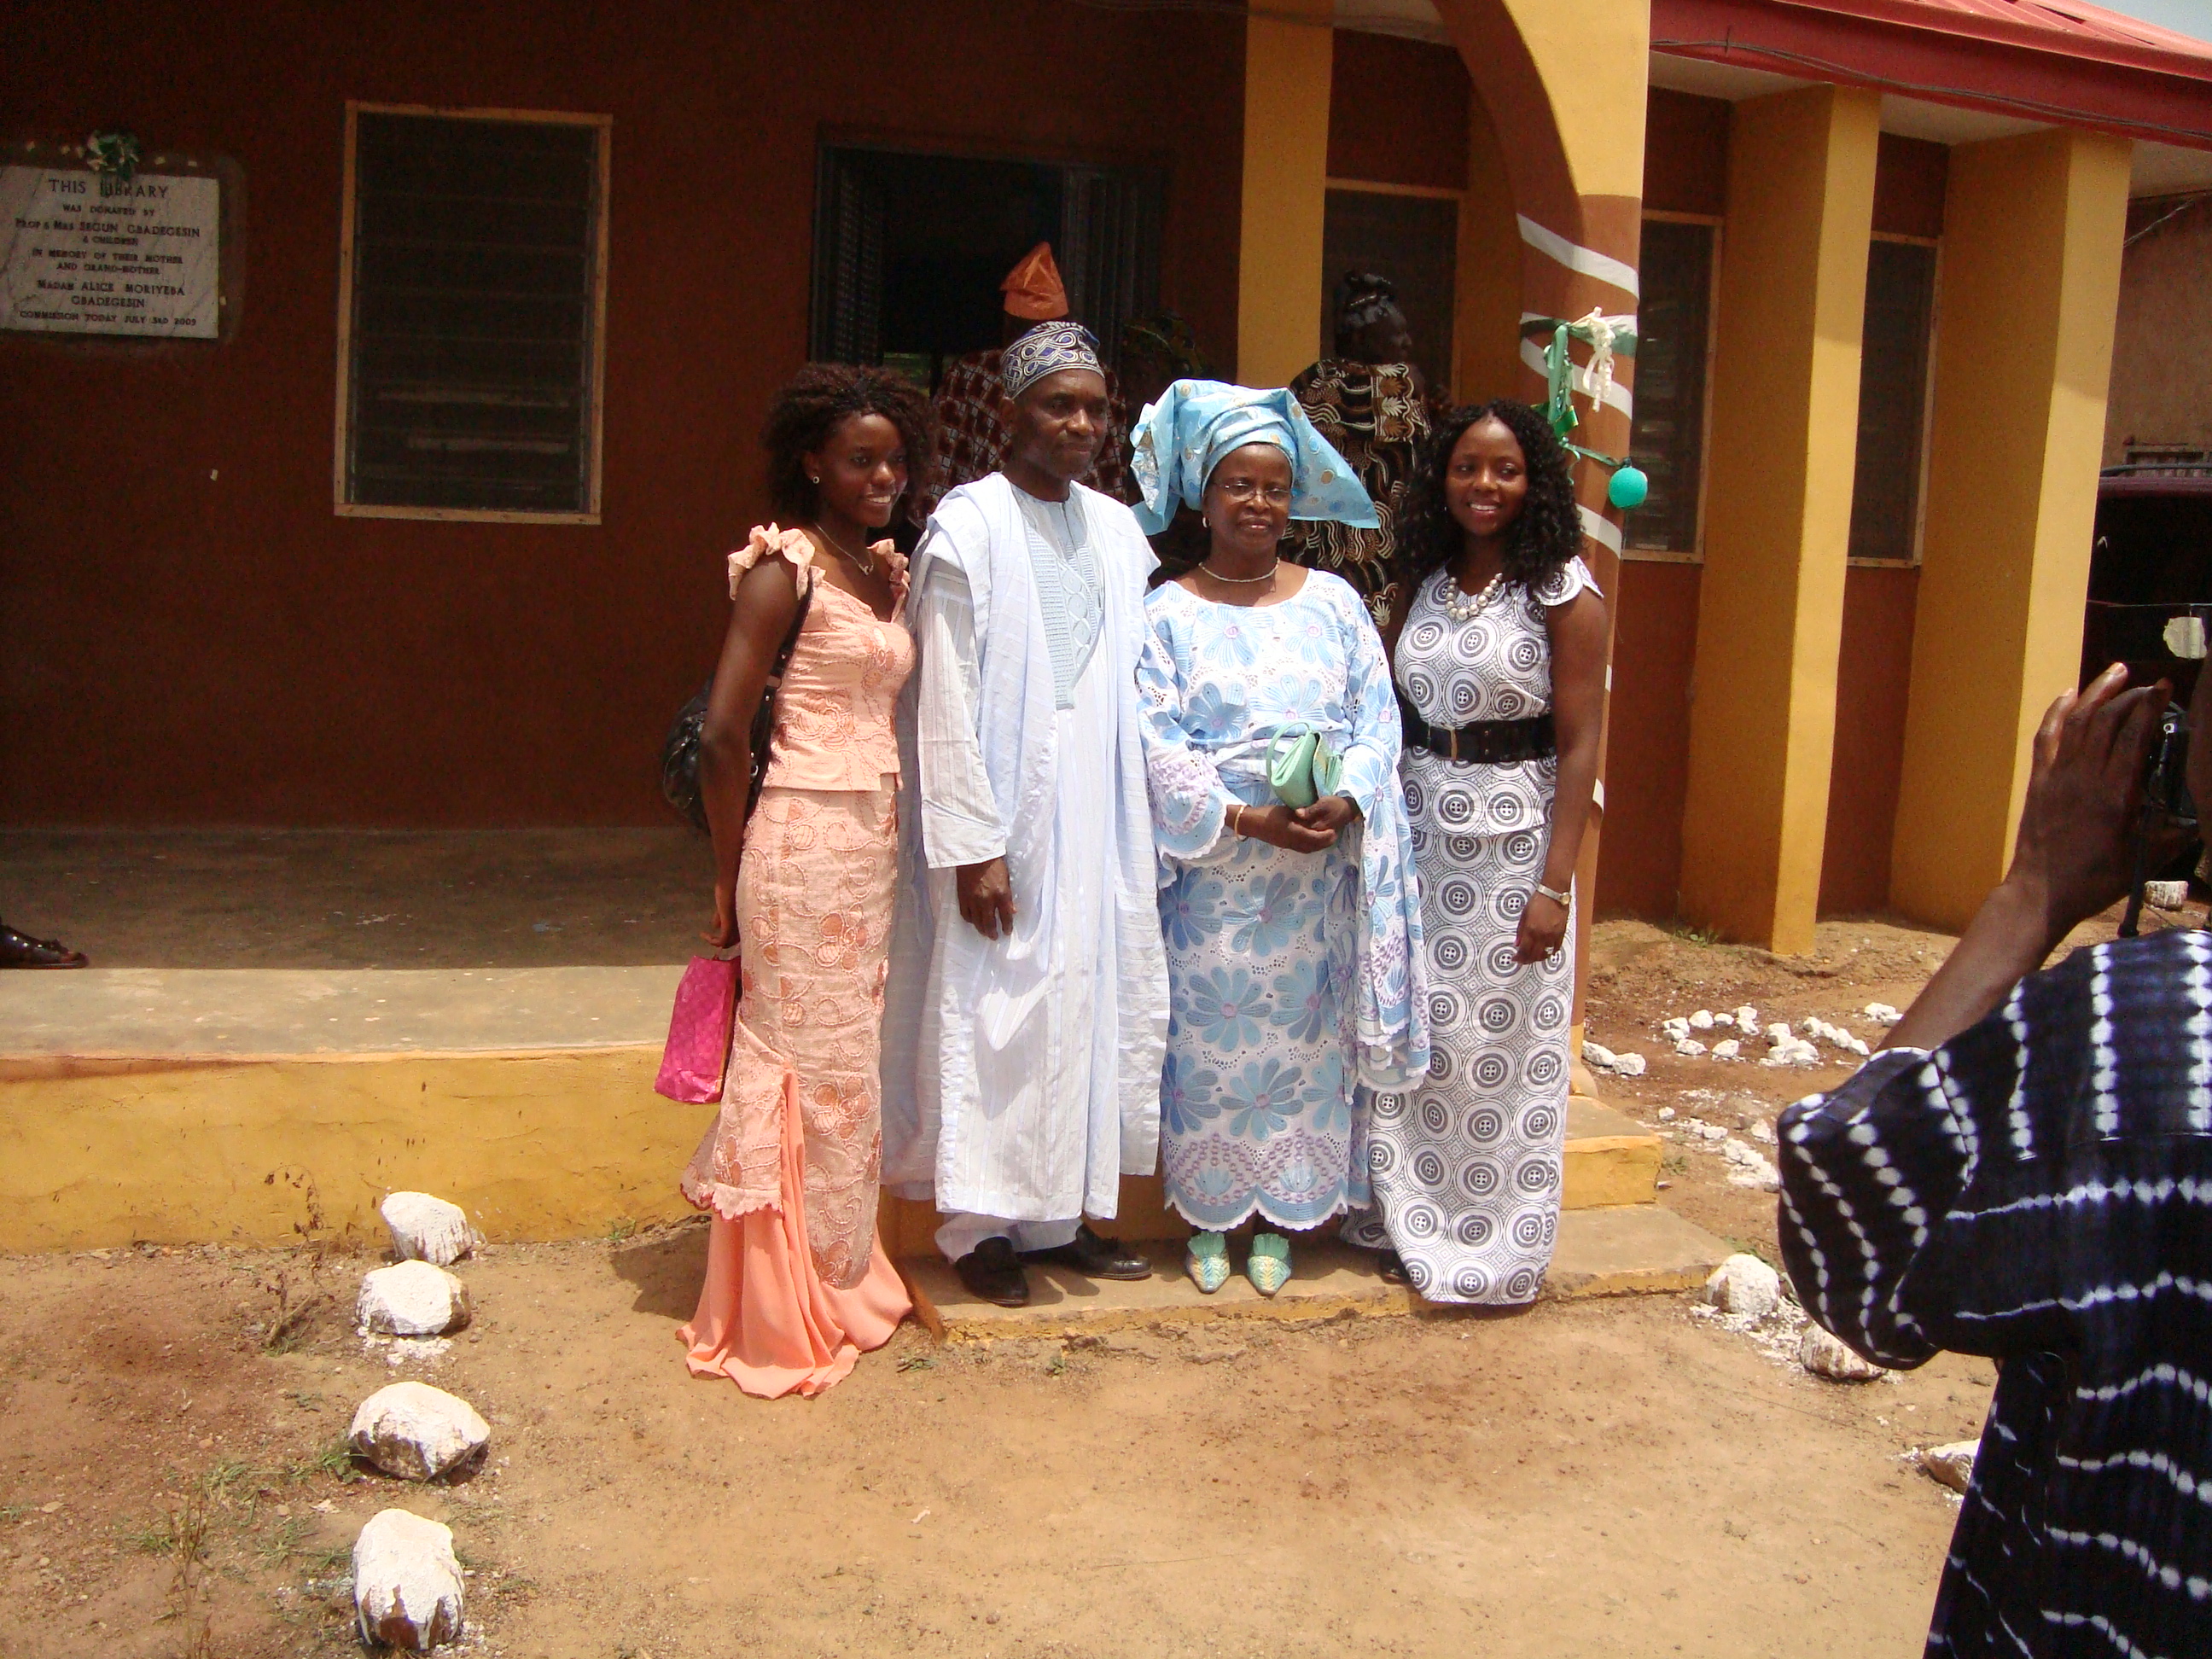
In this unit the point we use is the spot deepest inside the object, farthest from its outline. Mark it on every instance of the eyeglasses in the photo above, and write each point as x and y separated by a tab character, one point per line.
1244	491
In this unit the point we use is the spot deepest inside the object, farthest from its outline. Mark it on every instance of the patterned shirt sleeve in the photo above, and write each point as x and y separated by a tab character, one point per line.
1190	806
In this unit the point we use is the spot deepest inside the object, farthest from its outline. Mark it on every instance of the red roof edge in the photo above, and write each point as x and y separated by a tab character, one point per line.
1950	54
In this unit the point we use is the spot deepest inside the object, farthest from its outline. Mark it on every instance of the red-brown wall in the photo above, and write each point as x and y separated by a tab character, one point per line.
1397	111
1654	639
189	635
1872	678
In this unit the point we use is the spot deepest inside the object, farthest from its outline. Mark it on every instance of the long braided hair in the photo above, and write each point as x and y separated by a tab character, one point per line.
1538	544
809	409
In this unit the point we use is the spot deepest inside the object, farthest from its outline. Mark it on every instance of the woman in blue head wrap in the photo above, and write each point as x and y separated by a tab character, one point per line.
1293	931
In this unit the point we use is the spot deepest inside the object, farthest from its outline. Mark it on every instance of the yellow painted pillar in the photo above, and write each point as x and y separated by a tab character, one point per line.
1785	394
1288	54
2028	286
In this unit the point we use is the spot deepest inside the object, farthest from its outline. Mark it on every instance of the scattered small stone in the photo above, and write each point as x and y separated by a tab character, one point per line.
1629	1064
1749	1167
1952	1465
412	1299
1825	1356
1666	1114
1689	1048
1727	1050
417	1432
1712	1131
1881	1013
406	1583
1762	1132
427	1229
1702	1020
1746	1286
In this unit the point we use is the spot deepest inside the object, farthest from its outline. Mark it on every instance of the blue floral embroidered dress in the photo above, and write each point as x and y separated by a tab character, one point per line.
1296	979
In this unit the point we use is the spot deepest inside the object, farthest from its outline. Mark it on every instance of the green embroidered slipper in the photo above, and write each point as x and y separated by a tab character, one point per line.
1205	1259
1268	1265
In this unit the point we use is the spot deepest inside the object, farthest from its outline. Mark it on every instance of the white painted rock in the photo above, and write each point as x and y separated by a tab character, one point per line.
2166	894
1744	1284
427	1229
1702	1020
1881	1013
1727	1050
1629	1064
1825	1356
1666	1114
1598	1057
1677	1027
1689	1048
412	1299
1727	1021
1746	1018
1762	1132
406	1583
416	1432
1953	1465
1749	1167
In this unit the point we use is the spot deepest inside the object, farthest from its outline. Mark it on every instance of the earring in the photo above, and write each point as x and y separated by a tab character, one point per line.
1205	523
811	479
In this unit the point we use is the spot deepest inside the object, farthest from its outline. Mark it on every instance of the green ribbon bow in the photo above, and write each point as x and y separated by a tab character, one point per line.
1606	337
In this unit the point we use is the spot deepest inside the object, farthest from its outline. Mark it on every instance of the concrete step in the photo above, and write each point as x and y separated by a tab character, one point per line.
1636	1249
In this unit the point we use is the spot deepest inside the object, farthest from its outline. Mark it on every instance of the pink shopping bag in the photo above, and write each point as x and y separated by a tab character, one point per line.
699	1032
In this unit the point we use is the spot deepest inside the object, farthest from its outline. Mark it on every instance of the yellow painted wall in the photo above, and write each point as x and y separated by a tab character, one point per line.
1279	280
1594	59
2029	285
546	1146
1778	506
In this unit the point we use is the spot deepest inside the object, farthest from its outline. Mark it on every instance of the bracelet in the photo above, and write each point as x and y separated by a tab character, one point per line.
1237	818
1564	901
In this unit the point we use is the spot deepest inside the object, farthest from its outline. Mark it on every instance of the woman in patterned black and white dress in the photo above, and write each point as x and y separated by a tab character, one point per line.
1499	655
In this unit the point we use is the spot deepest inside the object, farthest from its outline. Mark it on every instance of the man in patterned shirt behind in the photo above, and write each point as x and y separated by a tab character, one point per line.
2025	1171
971	435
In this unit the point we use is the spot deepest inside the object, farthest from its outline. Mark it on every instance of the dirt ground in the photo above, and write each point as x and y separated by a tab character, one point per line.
1597	1478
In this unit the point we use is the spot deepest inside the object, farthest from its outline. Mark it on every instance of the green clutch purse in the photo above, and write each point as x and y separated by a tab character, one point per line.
1302	772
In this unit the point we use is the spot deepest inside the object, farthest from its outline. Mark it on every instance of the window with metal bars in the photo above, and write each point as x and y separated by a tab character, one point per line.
471	315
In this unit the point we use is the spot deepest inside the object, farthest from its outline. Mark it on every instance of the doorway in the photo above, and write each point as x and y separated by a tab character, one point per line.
911	247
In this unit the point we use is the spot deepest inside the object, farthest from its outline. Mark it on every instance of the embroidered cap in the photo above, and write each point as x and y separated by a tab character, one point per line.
1046	350
1033	287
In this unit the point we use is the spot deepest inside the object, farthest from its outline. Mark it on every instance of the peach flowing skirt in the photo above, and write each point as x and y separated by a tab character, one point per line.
798	1284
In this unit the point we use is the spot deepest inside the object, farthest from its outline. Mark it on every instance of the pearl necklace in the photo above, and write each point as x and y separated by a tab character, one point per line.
1463	606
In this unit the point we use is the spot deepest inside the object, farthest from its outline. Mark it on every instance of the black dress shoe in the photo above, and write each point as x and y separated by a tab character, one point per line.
1095	1257
19	950
992	1272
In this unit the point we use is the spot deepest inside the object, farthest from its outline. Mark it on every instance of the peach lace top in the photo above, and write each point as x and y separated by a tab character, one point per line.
833	719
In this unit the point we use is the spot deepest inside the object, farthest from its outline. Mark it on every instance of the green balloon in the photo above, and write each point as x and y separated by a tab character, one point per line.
1628	489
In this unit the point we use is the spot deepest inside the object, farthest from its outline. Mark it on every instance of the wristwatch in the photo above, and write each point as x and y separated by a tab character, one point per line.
1564	901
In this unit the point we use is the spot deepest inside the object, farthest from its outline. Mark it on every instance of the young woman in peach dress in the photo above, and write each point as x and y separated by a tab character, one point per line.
798	1284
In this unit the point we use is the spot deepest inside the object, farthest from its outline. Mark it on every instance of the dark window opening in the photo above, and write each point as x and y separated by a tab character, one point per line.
1415	241
1666	439
475	261
910	249
1900	309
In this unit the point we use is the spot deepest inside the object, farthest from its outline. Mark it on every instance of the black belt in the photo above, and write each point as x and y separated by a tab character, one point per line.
1494	743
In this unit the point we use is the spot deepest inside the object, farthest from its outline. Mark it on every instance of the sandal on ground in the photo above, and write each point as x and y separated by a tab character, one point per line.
1390	1268
21	950
1205	1259
1268	1265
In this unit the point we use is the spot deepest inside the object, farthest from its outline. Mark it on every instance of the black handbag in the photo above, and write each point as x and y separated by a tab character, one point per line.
679	754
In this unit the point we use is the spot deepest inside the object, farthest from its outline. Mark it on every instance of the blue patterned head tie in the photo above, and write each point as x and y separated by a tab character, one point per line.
1046	350
1179	440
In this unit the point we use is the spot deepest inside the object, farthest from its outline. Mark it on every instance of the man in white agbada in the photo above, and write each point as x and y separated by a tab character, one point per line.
1026	1011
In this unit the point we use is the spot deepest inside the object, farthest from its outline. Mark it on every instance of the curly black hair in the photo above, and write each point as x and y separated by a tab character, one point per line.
1538	543
808	409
